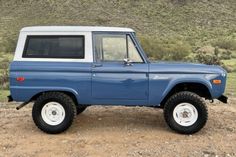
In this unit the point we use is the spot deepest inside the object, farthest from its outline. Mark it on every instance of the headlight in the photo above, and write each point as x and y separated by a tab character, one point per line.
223	74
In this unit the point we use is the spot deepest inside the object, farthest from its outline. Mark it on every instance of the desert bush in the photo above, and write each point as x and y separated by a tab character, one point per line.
7	45
225	43
233	54
212	56
226	55
4	75
207	57
168	49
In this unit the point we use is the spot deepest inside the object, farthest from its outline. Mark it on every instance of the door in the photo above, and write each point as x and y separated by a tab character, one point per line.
115	81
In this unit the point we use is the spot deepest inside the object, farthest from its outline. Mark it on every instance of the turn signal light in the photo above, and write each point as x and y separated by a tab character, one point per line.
217	81
20	79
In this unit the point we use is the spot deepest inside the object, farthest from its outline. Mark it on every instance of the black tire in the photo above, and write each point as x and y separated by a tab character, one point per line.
80	109
67	104
193	99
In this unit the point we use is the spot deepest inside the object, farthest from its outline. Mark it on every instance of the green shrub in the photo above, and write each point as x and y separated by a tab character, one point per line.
168	49
233	54
207	57
4	75
8	43
212	56
226	55
225	43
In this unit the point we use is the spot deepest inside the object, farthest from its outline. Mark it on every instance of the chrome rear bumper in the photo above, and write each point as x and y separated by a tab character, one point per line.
9	98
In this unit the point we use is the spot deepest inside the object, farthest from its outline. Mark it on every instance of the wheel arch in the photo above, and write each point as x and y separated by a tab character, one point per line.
201	88
72	94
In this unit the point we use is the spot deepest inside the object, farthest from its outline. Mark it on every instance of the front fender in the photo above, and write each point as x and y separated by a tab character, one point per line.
161	84
175	82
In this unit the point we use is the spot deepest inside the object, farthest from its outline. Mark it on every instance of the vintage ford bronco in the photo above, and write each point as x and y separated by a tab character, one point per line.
64	69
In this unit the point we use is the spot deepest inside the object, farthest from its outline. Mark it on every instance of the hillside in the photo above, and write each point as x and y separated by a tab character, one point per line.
196	21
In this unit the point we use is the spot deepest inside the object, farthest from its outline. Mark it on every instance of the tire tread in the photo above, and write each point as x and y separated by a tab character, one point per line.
189	96
53	95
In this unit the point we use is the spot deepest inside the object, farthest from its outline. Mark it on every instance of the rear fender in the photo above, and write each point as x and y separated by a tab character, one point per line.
27	93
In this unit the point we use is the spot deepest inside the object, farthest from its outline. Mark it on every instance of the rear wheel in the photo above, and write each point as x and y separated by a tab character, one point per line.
53	112
185	112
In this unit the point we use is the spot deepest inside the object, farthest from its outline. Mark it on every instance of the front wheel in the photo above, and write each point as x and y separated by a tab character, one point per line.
80	109
185	112
53	112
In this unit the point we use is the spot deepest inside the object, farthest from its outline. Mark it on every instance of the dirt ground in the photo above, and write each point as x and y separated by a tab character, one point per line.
118	131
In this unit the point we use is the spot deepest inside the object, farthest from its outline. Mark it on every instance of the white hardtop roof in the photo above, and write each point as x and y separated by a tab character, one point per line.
74	29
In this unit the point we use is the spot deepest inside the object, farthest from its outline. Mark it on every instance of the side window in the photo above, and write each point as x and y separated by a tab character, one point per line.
110	47
134	56
54	47
115	48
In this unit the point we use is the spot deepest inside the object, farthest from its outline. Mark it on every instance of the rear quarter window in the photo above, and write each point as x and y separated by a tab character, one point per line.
54	47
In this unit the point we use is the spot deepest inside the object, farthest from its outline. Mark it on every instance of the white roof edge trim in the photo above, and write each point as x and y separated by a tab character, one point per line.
74	29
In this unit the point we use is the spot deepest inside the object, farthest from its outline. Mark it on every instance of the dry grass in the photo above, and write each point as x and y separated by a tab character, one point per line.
197	22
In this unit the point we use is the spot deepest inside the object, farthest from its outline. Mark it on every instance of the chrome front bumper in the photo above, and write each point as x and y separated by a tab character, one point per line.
223	99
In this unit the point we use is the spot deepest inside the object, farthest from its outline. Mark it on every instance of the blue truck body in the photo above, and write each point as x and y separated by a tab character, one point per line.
111	83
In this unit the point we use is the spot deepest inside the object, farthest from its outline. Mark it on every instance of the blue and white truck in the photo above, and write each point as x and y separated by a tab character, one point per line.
64	69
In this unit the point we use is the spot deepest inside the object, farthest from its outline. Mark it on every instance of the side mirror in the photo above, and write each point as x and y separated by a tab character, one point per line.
127	62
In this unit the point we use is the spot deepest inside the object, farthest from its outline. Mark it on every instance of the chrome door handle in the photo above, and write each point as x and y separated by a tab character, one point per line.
97	65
